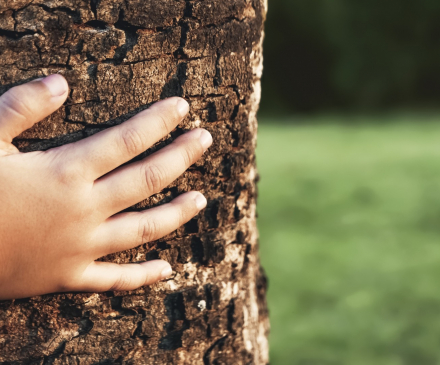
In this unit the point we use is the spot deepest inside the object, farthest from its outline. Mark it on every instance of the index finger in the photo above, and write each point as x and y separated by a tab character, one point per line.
106	150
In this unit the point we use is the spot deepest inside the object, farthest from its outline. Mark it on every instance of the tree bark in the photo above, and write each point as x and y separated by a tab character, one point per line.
119	57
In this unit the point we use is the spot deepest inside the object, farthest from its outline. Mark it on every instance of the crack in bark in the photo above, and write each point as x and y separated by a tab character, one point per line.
175	311
49	359
74	14
219	343
15	36
94	7
184	26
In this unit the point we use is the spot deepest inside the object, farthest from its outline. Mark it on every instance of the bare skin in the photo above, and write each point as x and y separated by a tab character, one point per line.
59	209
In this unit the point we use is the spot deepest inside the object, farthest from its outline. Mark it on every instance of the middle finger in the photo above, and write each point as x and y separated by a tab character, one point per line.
133	183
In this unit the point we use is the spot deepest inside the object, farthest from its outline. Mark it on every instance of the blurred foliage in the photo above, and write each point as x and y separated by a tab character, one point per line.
349	223
359	55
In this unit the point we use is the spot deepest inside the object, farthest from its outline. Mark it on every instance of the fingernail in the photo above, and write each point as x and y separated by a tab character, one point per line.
205	139
166	273
200	201
182	107
56	84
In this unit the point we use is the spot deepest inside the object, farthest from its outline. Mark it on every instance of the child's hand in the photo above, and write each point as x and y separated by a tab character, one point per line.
57	208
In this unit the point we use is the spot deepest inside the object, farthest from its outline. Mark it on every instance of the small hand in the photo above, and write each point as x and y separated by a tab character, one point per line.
59	208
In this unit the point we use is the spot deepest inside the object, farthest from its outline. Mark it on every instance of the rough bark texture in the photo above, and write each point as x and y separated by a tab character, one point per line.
120	56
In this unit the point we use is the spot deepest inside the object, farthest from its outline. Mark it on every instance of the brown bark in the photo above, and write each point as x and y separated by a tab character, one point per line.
120	56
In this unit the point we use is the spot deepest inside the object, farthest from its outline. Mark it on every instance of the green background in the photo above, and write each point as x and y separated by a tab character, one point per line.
349	212
349	197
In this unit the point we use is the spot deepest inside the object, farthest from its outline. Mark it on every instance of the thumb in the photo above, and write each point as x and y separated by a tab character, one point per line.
23	106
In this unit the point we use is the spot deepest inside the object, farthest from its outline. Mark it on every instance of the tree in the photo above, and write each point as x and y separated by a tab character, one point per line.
119	57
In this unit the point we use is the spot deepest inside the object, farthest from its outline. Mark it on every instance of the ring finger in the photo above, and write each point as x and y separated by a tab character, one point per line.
128	230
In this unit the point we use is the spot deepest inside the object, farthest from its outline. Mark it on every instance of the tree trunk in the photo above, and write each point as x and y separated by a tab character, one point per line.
120	56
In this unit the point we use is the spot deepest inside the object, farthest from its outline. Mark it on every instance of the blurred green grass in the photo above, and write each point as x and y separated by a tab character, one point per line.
349	219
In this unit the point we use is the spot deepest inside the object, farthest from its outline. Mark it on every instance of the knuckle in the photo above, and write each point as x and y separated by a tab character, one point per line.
123	282
184	216
162	119
67	169
154	178
148	230
17	102
67	173
131	141
189	154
